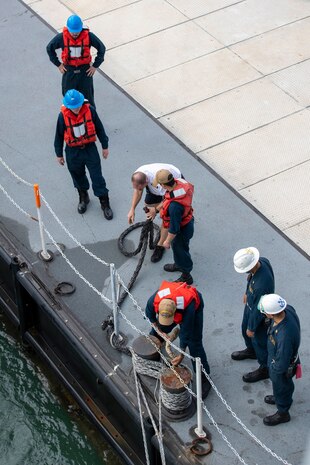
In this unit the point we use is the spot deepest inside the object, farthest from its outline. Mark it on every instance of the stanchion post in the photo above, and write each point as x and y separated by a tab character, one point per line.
199	430
44	254
118	288
114	298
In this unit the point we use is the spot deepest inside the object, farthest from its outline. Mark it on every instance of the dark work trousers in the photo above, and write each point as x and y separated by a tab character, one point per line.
76	78
180	247
151	199
195	345
258	343
77	159
283	389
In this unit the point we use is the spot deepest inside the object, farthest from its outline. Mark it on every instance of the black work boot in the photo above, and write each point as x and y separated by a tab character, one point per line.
185	278
171	267
277	418
244	354
84	201
105	205
256	375
270	399
157	254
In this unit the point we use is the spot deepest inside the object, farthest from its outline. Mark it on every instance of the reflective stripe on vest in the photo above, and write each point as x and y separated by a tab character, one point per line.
180	302
164	292
179	192
79	130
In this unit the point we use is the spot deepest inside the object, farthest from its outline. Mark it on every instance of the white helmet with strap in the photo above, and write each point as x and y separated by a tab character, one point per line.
271	304
246	259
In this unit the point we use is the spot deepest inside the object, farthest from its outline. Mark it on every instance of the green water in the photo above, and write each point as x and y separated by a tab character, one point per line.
39	424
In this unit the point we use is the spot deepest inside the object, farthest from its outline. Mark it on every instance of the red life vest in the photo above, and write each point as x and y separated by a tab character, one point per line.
79	129
181	293
182	193
76	52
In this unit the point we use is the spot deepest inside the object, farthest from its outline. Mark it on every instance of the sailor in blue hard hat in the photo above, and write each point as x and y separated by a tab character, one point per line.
76	66
79	127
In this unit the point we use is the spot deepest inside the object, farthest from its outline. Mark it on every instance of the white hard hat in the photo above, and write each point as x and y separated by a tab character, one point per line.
272	304
246	259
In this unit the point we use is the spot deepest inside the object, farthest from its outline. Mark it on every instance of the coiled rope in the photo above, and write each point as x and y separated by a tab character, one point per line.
175	402
146	238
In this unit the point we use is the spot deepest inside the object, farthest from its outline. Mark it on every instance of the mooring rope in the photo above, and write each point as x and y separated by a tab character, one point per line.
175	402
150	368
146	237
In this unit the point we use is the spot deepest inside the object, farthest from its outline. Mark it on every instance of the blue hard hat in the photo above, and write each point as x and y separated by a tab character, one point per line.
74	24
73	99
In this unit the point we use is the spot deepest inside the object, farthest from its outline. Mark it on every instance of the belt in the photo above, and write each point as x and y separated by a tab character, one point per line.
77	69
81	147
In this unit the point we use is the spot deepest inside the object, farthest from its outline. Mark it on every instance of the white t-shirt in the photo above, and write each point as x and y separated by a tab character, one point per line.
150	171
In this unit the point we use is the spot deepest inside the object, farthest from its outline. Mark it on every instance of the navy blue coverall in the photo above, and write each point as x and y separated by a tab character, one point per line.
261	283
75	77
283	344
87	156
191	329
180	244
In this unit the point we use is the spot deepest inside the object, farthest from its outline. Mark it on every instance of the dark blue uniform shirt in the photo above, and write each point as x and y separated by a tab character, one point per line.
60	131
283	342
261	283
58	42
188	322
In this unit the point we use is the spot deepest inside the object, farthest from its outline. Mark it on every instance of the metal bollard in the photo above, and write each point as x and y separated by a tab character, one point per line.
199	430
44	254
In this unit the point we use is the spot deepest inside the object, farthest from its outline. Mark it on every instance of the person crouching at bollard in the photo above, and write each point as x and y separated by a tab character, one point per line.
180	304
283	360
141	179
79	126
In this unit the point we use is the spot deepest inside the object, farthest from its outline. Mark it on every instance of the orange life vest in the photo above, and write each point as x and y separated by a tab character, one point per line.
181	293
76	52
183	194
79	129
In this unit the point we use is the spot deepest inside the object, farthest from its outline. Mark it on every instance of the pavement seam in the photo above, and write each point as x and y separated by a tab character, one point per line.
211	97
150	34
109	11
210	12
275	174
248	132
175	66
225	92
67	7
296	224
266	32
